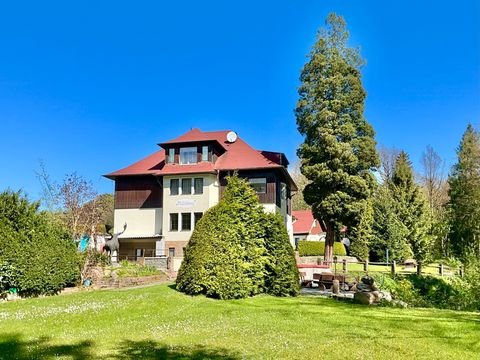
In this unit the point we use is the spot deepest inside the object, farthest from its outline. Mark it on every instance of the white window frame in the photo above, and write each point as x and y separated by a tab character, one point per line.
191	159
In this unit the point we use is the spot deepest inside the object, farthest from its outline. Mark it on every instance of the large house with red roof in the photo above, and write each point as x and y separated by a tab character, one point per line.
162	196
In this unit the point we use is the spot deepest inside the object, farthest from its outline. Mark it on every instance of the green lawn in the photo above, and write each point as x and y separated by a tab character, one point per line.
157	322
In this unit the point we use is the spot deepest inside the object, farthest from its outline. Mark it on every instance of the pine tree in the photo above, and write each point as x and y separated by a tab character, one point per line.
464	194
411	208
338	152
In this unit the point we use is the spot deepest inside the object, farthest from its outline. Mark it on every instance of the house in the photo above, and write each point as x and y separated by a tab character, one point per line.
162	196
306	227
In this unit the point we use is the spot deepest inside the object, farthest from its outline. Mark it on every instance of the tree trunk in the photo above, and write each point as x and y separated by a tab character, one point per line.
329	240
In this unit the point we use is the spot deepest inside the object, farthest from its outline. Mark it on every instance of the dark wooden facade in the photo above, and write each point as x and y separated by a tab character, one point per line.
214	151
273	190
136	192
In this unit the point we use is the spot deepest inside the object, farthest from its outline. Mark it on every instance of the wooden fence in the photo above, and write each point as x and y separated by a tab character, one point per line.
393	268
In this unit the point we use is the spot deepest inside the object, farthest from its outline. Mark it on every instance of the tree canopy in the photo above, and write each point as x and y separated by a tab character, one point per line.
338	152
464	194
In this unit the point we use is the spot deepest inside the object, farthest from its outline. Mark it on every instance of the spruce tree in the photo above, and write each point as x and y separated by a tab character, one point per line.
464	194
389	232
411	208
338	152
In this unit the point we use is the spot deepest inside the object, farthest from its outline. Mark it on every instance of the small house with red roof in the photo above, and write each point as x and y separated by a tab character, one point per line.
162	196
306	227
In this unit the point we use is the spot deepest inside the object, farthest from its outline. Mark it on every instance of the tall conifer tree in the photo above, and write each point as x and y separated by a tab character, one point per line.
338	152
411	208
464	194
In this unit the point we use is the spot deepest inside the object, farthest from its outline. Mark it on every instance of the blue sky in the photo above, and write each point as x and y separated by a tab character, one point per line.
92	86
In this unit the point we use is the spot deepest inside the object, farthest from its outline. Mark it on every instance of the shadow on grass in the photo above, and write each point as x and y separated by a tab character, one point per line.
150	349
13	347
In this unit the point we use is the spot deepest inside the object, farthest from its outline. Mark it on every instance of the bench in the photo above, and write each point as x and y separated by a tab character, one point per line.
325	281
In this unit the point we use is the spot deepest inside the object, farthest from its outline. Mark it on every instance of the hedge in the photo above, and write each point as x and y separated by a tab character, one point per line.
35	248
317	248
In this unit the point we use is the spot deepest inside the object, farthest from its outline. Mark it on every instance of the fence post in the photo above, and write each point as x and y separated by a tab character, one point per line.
365	266
344	265
440	269
394	267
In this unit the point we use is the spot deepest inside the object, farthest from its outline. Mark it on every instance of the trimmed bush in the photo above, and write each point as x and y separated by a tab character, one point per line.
281	278
36	246
227	256
317	248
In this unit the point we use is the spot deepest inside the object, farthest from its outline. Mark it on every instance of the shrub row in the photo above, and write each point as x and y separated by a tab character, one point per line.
430	291
36	251
317	248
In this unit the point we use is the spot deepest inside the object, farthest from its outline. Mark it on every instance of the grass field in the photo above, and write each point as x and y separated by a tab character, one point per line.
157	322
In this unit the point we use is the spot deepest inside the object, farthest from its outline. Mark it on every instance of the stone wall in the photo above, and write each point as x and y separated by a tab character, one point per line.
117	282
159	263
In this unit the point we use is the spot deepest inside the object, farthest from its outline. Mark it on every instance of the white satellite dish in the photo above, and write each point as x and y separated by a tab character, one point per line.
232	137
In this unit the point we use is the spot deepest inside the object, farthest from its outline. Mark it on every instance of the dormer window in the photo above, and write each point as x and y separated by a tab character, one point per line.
188	155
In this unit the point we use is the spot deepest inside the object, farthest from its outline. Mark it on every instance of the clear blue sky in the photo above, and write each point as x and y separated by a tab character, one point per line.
91	86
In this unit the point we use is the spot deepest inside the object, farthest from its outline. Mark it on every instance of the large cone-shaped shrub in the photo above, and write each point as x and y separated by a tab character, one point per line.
281	277
227	256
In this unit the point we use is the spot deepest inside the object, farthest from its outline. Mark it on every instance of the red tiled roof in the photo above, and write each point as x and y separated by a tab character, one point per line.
237	156
304	223
196	135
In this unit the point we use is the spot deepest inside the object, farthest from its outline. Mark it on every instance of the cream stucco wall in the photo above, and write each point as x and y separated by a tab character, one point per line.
140	222
187	203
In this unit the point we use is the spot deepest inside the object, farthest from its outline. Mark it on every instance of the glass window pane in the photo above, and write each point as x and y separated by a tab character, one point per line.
173	222
198	185
188	155
171	155
186	186
205	153
197	216
174	184
259	185
186	221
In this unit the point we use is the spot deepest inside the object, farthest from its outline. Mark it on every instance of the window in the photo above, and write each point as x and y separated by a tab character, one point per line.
174	184
171	252
188	155
186	221
173	222
171	156
186	186
198	186
259	185
197	216
205	153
